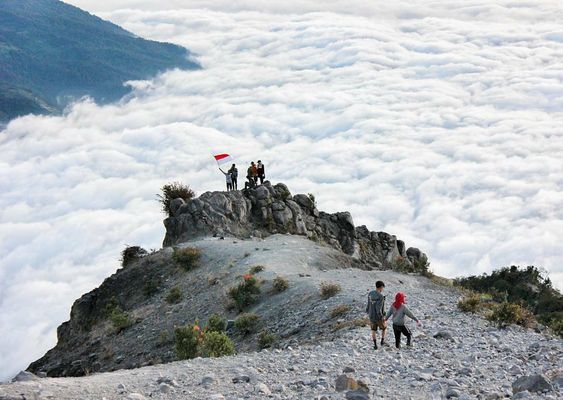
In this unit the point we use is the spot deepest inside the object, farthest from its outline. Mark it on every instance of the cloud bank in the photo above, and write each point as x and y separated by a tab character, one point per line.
442	126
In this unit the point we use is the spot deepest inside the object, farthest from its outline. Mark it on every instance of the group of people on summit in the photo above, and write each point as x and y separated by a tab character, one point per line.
378	317
255	172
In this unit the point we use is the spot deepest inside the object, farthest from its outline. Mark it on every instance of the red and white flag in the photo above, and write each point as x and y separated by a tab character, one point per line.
223	158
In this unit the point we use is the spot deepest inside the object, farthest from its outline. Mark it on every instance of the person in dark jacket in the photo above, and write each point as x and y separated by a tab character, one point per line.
376	311
234	175
261	171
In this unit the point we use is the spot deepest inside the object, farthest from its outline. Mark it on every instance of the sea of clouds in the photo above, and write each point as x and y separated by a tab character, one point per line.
439	123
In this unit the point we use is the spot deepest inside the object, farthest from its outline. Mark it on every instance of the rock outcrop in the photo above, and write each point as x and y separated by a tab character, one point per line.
271	209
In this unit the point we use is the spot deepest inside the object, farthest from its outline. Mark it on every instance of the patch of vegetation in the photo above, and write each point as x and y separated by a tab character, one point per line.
247	323
280	284
150	288
217	344
528	287
188	257
470	303
353	323
173	191
163	338
120	319
506	313
339	310
246	293
131	254
329	289
174	295
256	269
212	280
216	323
188	340
266	339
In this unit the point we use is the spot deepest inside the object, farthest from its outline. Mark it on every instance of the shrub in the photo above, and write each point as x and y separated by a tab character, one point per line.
353	323
120	319
339	310
173	191
217	344
401	264
132	253
245	293
422	266
174	296
188	257
470	303
329	289
256	269
280	284
554	321
247	323
188	339
506	313
216	323
150	288
266	339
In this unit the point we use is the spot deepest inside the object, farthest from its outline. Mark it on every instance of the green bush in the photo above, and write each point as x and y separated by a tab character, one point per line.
339	310
188	257
174	296
506	313
280	284
245	293
120	319
217	344
402	264
132	253
216	323
187	341
247	323
329	289
470	303
173	191
266	339
256	269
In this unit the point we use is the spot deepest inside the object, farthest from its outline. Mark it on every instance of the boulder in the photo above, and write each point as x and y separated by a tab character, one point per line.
25	376
531	383
344	382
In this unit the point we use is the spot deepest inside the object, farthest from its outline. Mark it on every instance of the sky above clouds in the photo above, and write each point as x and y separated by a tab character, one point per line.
439	123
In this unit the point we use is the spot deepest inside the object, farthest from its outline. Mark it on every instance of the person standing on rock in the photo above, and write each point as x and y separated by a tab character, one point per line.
261	172
376	311
398	310
234	175
251	174
228	179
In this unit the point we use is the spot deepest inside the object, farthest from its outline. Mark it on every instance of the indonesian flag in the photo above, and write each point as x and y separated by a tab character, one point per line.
223	158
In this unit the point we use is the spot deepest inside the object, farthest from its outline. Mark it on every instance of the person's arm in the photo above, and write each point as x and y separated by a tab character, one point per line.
410	314
389	313
224	173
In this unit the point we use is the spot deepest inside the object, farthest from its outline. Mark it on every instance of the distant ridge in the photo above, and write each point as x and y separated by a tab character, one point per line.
52	53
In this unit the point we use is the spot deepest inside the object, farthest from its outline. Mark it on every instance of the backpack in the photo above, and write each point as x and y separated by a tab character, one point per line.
376	307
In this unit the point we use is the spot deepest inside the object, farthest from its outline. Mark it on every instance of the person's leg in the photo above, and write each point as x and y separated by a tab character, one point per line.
383	330
397	332
374	334
235	186
406	331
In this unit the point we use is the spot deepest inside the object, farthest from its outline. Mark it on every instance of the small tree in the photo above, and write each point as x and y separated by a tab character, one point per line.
217	344
329	289
246	293
188	339
188	257
216	323
266	339
247	323
171	191
174	296
132	253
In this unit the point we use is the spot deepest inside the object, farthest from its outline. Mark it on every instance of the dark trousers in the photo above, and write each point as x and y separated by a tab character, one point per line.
234	183
397	330
261	177
229	187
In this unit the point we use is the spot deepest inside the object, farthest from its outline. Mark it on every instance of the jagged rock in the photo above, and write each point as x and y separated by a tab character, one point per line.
25	376
267	210
531	383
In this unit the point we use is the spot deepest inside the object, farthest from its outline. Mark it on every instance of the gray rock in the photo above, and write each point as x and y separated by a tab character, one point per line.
25	376
522	395
344	382
452	393
443	335
531	383
241	379
348	369
262	388
357	395
136	396
164	388
208	381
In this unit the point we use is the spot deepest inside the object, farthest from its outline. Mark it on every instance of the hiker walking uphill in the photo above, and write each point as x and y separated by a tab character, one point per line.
376	311
398	310
234	176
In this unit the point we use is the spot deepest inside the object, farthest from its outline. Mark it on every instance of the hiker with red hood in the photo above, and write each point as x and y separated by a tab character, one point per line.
399	309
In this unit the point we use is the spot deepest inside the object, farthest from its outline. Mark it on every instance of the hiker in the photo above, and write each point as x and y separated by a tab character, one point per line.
260	171
251	174
376	311
234	175
228	179
399	310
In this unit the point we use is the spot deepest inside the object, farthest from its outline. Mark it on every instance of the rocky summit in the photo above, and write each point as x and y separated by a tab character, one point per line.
319	344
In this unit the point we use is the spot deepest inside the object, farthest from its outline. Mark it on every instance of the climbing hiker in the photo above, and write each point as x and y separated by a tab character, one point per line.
376	311
261	172
398	310
228	179
234	175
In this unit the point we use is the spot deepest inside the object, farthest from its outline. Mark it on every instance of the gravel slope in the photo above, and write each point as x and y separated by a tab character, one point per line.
479	361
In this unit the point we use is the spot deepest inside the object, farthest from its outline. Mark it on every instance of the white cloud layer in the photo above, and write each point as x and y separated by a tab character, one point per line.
438	123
